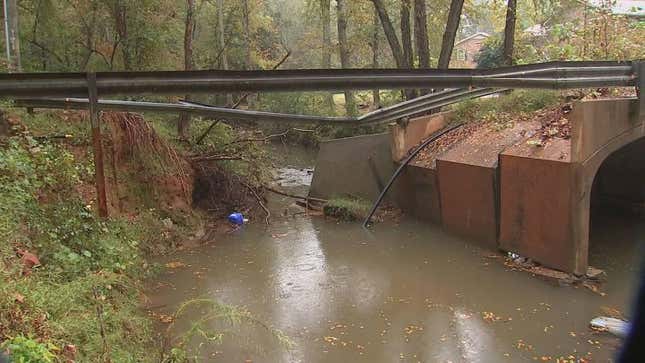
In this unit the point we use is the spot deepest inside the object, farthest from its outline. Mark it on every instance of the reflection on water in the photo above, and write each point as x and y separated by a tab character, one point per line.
403	292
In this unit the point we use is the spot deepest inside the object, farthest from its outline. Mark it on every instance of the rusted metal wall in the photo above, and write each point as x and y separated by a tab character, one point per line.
535	205
417	193
468	200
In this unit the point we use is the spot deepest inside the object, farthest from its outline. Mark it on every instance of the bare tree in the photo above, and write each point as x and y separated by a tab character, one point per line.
222	43
251	99
402	56
325	19
390	34
183	124
448	43
509	32
247	34
341	17
376	95
15	62
406	33
421	33
119	11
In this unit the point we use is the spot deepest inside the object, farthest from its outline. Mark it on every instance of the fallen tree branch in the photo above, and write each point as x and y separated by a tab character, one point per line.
208	130
318	200
259	200
267	138
217	158
237	104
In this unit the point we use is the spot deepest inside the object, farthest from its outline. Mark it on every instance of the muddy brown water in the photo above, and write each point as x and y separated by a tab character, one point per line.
398	292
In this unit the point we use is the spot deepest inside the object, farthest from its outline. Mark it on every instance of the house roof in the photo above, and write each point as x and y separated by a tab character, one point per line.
476	35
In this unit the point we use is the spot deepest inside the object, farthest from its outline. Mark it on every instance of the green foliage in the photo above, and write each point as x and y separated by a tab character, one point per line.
41	211
491	54
310	103
515	103
213	325
28	350
46	124
347	209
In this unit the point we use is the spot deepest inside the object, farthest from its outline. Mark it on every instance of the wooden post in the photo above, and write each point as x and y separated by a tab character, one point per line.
97	145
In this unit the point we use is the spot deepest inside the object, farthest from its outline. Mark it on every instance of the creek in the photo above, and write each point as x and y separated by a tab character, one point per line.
401	291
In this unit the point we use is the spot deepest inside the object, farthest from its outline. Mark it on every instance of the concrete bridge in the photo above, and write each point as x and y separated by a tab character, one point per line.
500	189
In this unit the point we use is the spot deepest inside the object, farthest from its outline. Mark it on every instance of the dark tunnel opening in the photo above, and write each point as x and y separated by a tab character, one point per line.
617	215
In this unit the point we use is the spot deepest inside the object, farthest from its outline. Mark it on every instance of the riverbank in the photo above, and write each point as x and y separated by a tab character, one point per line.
71	282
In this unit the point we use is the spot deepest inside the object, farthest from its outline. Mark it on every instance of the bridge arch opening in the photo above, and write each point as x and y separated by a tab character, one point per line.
617	211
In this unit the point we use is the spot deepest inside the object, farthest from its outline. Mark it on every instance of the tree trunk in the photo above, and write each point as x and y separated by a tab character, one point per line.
121	25
247	34
509	32
325	19
183	125
421	36
341	16
406	34
222	43
376	95
421	33
14	36
251	99
390	34
448	43
406	40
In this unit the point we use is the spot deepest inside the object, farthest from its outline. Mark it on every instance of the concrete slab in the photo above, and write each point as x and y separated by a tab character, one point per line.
417	193
356	166
535	203
468	182
406	136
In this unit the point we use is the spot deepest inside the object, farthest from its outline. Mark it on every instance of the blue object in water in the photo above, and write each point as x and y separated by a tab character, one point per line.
236	218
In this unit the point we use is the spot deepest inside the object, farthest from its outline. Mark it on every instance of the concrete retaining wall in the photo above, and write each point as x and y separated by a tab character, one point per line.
535	202
405	136
354	166
546	192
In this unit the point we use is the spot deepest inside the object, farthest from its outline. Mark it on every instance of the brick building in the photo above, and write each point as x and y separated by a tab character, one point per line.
463	55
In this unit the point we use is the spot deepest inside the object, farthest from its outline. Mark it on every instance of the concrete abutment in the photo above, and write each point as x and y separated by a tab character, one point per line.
498	187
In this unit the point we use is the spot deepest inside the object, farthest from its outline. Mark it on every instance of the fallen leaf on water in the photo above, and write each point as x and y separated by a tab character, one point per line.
166	319
331	340
175	264
612	312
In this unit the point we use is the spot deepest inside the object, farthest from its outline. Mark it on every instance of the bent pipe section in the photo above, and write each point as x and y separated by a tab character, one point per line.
400	169
395	112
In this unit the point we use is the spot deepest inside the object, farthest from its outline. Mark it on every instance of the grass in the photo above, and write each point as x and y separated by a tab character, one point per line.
215	323
503	109
82	302
87	264
347	209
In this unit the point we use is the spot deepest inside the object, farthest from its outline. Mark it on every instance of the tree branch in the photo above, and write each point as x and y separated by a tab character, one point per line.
237	104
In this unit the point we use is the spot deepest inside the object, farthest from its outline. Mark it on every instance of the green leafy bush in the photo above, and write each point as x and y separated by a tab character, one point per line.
86	262
27	350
